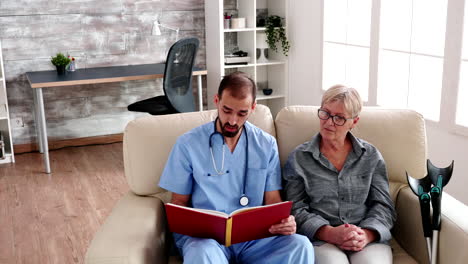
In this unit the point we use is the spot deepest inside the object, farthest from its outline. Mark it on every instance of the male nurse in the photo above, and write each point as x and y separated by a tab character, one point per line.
229	164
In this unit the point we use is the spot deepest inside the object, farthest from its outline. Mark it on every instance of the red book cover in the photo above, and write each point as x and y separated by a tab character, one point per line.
242	225
196	223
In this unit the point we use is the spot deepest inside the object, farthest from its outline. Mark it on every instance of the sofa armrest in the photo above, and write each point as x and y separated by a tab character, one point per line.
408	230
134	232
453	236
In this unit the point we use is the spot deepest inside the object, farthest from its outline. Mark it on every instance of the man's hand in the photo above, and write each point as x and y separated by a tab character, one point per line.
180	199
286	227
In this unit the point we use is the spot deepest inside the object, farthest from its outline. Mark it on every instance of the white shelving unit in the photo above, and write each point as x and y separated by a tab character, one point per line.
5	125
272	74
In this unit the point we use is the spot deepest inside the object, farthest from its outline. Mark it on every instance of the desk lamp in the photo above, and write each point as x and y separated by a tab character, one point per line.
157	31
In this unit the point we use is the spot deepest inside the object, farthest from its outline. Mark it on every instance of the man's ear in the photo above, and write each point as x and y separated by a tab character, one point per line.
216	99
254	105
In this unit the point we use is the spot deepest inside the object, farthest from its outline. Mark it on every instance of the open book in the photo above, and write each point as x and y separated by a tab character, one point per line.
242	225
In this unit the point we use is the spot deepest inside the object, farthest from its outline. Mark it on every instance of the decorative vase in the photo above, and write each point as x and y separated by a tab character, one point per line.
262	48
61	69
267	91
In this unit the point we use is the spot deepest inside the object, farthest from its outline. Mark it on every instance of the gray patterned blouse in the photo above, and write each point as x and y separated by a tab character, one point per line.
322	195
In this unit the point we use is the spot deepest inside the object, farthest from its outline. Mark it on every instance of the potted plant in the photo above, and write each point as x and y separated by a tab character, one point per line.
275	33
61	62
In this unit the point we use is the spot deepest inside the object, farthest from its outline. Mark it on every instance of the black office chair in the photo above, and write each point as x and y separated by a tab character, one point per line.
177	84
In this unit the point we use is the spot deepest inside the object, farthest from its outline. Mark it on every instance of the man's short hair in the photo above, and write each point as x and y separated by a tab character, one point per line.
239	84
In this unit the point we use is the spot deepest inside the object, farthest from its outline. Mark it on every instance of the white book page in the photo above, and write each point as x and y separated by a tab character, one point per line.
245	209
206	211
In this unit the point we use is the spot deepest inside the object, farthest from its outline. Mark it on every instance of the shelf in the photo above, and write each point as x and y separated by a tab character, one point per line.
272	62
238	66
252	64
239	30
4	117
268	97
264	28
219	41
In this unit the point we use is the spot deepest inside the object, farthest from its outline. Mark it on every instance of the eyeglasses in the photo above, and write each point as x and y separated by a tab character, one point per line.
337	120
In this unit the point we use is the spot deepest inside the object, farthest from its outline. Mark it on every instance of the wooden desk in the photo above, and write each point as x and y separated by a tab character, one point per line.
44	79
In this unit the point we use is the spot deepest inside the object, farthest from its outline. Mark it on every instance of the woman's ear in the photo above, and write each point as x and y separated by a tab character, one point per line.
355	121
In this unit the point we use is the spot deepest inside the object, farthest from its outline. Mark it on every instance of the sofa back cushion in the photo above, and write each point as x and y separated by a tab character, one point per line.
400	135
149	140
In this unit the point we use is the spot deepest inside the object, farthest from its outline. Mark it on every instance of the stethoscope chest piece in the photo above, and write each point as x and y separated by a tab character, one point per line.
244	200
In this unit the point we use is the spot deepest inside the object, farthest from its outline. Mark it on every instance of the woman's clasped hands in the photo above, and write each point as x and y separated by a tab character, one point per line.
347	236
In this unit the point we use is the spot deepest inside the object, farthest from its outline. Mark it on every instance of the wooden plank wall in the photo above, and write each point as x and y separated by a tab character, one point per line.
97	33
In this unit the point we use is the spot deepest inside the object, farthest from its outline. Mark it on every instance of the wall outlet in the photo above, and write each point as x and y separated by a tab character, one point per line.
17	122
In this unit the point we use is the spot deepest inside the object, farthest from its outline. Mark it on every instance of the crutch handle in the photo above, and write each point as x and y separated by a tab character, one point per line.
425	205
422	187
436	197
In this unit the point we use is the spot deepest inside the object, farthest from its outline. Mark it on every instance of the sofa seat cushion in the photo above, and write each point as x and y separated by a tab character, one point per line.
175	260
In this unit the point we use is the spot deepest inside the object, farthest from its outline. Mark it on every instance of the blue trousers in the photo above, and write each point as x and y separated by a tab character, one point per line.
277	249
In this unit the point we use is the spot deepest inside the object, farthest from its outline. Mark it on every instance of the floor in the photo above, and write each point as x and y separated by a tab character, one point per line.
52	218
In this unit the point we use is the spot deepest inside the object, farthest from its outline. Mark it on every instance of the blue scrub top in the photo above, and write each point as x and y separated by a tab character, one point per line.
190	170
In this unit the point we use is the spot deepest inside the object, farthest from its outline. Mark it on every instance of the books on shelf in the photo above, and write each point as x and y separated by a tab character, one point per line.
242	225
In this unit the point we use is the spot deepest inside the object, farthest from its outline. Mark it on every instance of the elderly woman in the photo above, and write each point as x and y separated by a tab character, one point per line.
339	187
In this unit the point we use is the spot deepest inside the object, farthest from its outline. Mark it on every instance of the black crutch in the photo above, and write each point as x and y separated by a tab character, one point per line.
422	187
438	178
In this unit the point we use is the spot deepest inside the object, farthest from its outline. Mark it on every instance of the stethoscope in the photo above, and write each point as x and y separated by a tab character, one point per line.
243	200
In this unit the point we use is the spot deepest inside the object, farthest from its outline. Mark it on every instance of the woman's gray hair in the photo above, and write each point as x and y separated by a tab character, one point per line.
347	95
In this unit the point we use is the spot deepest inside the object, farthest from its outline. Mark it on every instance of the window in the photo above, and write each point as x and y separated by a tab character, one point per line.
393	52
346	44
407	48
411	56
462	104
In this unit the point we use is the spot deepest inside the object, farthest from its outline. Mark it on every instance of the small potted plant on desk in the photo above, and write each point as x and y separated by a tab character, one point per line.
60	61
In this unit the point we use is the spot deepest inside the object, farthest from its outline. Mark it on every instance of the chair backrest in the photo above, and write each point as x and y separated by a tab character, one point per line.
178	74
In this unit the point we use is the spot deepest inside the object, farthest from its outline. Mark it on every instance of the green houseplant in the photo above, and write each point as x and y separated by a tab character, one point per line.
61	62
275	33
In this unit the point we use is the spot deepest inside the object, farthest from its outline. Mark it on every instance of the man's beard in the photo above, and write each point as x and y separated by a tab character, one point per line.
227	133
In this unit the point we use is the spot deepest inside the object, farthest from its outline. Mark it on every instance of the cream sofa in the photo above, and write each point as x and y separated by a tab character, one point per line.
136	230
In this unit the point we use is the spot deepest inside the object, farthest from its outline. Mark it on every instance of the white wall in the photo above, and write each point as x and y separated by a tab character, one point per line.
445	146
305	33
305	59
